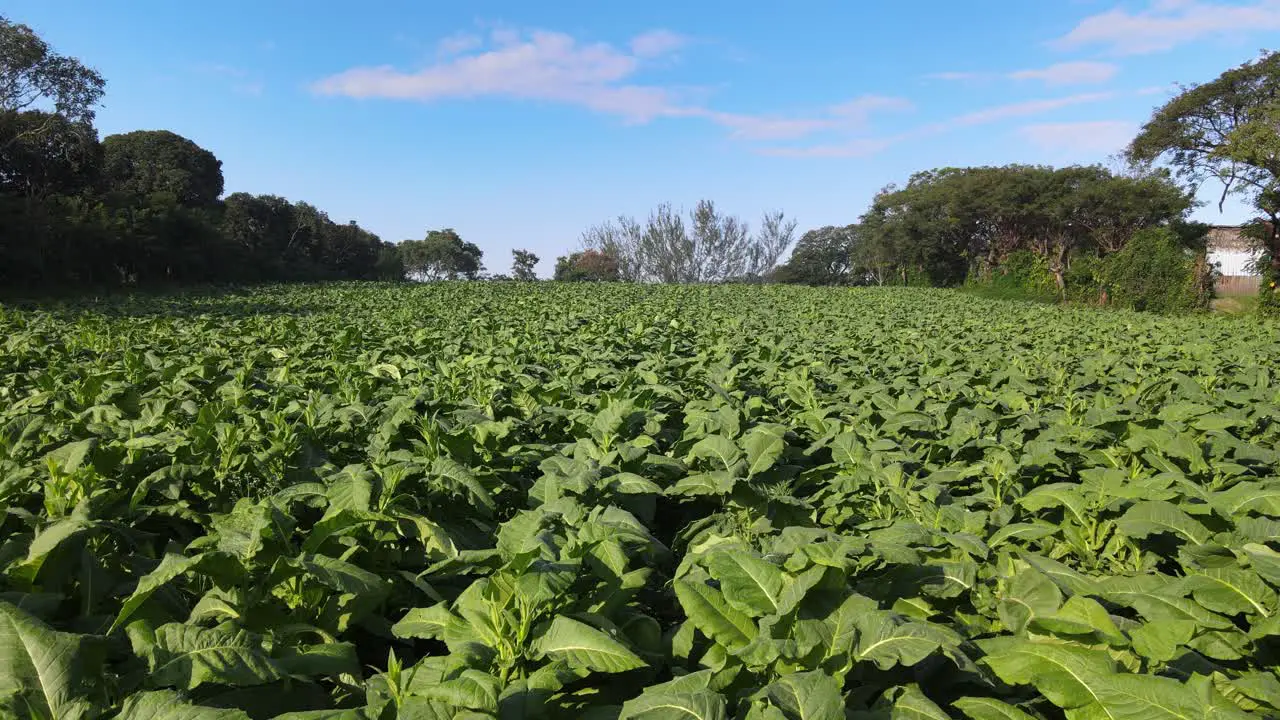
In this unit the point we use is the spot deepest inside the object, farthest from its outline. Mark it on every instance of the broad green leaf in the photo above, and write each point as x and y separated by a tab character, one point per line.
71	456
1160	640
340	575
1155	598
912	704
812	695
1064	495
888	641
1264	561
1021	531
583	646
351	490
1127	696
984	708
323	660
762	446
750	584
1080	615
472	689
702	705
706	607
720	450
1231	590
186	656
1070	580
1158	516
171	567
170	705
45	673
1029	595
1067	675
632	484
432	623
717	482
447	468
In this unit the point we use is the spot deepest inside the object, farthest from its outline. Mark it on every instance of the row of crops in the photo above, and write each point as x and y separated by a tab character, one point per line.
555	501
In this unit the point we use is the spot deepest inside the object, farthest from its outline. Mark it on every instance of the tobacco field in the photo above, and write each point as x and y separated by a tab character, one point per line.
544	500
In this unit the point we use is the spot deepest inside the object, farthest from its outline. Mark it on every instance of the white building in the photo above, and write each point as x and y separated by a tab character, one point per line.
1234	256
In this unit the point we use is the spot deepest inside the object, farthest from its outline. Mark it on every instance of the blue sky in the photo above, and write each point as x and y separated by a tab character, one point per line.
520	124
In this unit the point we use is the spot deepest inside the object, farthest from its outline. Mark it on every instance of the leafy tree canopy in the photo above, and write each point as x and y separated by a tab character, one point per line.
150	161
442	255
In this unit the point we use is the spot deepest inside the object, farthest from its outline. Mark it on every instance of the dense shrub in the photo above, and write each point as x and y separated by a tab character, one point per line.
1022	276
1154	272
1084	279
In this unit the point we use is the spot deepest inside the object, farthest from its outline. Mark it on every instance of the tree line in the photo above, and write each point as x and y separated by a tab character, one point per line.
141	207
147	207
1080	232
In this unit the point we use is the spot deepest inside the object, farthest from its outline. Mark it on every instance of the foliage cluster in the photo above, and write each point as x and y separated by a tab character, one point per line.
712	247
140	207
551	500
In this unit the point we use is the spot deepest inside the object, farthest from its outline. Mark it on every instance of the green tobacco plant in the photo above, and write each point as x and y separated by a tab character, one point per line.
539	500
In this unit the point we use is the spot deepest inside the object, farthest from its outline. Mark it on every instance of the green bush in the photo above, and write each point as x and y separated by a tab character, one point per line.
1269	291
1154	273
1084	279
1022	276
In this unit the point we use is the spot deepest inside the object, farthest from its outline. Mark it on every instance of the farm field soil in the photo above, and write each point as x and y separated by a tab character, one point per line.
504	500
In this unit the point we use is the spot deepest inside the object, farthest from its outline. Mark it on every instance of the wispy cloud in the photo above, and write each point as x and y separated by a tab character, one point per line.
957	76
459	42
1166	24
1020	109
239	80
859	147
657	43
555	67
848	116
1067	73
540	65
1070	73
1095	137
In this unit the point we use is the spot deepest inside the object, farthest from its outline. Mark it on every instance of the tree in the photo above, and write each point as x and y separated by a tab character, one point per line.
522	265
712	247
32	74
587	266
441	255
1228	130
950	225
822	257
64	158
143	162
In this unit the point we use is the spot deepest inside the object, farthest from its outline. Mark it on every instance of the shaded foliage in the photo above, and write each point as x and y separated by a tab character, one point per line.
587	266
1228	130
141	207
711	247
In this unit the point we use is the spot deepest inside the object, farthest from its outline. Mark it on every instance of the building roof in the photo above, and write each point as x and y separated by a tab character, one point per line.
1228	237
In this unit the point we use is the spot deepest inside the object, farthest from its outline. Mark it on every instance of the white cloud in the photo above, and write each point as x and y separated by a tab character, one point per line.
458	43
539	65
1165	24
551	66
958	76
1070	73
656	43
860	147
1096	137
847	116
869	145
238	79
1021	109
